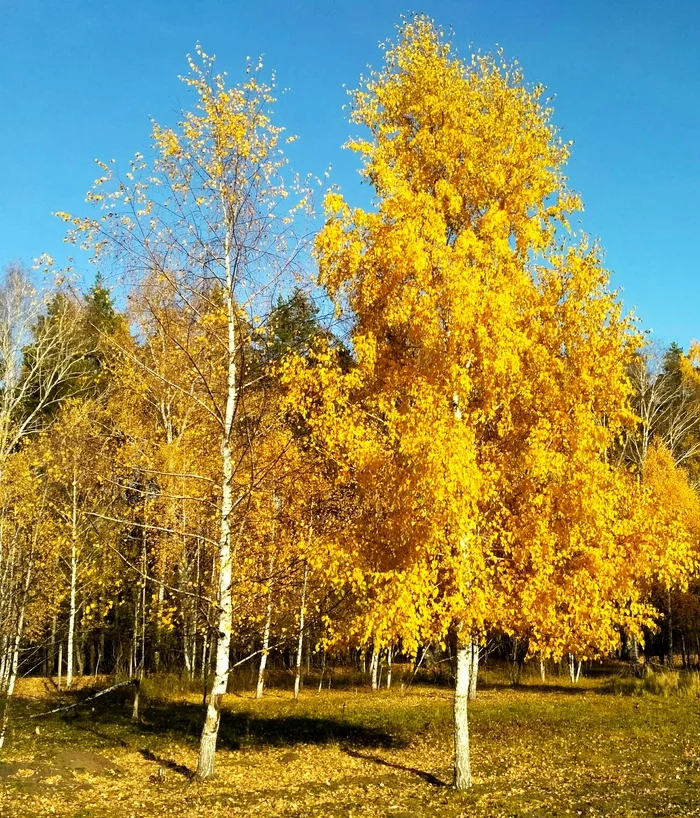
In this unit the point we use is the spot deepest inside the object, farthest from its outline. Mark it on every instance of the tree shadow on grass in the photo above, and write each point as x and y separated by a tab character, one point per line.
539	689
244	729
431	779
237	729
167	763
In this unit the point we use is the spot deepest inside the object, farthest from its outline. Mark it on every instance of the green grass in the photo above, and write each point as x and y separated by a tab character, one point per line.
612	746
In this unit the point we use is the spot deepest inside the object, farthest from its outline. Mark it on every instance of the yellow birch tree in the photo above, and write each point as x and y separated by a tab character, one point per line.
490	375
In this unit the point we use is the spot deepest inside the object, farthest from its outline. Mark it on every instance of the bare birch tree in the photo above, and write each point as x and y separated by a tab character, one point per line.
204	219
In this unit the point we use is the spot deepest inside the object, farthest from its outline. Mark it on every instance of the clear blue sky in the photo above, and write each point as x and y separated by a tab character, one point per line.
78	80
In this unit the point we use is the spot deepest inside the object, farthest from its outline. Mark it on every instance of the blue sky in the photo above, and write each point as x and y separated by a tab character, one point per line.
78	81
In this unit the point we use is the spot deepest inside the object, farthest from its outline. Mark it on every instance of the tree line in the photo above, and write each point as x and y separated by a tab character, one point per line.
429	422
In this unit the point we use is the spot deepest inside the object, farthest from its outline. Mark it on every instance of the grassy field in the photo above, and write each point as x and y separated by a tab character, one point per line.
604	748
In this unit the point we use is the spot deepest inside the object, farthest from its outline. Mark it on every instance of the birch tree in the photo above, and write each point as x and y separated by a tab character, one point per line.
490	378
39	355
204	217
78	455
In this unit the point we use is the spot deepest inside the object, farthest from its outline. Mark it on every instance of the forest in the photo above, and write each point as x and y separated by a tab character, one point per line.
350	465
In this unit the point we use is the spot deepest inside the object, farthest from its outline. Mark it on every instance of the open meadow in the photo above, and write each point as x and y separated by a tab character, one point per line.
610	746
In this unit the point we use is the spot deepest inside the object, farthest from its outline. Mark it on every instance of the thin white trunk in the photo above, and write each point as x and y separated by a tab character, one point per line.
52	646
4	661
187	646
8	687
323	670
462	769
205	656
578	671
159	618
473	668
300	640
60	663
135	709
374	668
266	637
389	654
634	650
73	586
543	670
14	667
572	668
210	729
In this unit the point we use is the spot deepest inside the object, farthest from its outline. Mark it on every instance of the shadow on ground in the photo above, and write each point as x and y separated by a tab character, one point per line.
543	689
429	778
237	729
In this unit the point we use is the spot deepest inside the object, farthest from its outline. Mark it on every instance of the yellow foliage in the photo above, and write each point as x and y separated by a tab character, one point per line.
490	378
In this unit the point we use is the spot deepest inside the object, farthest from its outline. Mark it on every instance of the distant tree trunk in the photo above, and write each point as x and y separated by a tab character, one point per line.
574	669
100	651
634	650
374	668
14	666
73	585
135	712
323	669
52	646
473	668
670	632
684	654
266	633
187	651
543	670
80	649
60	663
300	640
158	628
389	657
11	656
205	658
462	766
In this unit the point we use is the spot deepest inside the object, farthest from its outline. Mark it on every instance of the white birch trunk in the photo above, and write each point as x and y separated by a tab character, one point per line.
300	640
389	656
266	635
374	668
159	618
135	711
473	668
205	655
634	650
210	729
73	587
8	687
52	647
462	768
187	646
543	670
14	667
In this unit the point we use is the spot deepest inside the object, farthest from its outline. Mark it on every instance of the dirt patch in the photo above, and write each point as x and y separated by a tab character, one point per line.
69	760
16	769
31	776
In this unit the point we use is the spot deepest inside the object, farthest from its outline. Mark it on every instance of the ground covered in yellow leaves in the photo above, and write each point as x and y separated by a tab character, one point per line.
537	750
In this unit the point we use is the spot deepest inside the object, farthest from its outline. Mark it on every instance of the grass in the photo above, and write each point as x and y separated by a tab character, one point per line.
537	750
